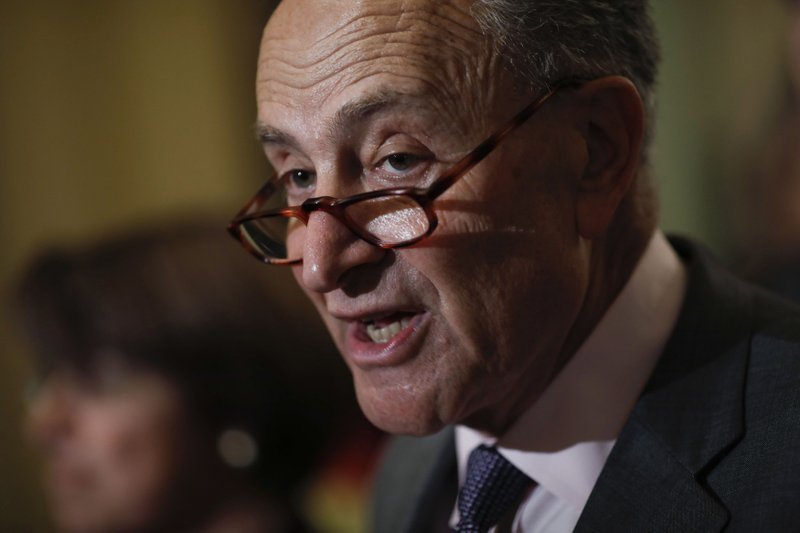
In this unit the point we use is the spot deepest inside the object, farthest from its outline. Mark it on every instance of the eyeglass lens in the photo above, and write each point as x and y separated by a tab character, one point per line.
386	220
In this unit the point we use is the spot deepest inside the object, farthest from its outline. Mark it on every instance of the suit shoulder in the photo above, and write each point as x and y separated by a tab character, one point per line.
776	329
410	471
405	455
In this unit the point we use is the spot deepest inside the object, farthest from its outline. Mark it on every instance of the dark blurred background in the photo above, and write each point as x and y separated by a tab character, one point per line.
115	113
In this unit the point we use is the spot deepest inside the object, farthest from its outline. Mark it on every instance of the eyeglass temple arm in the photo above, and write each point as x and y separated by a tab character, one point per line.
485	148
264	192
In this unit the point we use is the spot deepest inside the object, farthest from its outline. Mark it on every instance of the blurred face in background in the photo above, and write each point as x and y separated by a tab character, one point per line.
111	442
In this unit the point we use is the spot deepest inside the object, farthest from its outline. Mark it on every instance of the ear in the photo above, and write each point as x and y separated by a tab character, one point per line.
612	124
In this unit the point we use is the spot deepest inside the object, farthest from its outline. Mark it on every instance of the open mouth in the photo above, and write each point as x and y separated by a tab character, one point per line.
383	330
385	339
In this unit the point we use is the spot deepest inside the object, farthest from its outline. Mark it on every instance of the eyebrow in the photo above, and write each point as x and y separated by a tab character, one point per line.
267	134
352	112
360	109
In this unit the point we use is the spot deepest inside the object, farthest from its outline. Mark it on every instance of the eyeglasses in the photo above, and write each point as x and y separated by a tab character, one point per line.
388	218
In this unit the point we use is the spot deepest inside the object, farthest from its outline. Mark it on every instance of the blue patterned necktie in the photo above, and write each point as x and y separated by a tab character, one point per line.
492	486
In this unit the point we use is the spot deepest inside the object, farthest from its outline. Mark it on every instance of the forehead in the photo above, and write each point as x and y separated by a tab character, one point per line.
317	56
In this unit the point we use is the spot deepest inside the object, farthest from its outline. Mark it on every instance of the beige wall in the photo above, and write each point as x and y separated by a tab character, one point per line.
721	84
113	112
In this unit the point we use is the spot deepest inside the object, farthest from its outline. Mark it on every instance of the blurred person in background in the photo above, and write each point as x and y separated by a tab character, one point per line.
171	398
770	243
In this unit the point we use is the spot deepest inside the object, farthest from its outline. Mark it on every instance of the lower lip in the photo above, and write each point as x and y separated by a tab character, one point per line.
400	348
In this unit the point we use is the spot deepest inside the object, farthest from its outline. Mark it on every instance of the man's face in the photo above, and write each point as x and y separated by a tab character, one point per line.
468	325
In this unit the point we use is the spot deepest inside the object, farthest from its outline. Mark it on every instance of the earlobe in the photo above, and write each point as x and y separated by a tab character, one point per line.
613	128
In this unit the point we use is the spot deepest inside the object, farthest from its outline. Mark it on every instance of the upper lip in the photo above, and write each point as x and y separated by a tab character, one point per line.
372	314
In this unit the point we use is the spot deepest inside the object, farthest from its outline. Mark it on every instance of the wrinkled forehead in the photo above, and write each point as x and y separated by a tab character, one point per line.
315	55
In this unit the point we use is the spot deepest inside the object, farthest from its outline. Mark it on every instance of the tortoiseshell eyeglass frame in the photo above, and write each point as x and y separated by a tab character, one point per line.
424	196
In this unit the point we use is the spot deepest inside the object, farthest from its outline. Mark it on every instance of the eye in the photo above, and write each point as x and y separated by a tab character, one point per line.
400	162
299	184
301	179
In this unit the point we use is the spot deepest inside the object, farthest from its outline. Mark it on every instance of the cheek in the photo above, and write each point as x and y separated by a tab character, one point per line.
136	449
296	235
497	271
318	300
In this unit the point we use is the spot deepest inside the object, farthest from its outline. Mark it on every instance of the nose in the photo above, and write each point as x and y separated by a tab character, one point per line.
331	250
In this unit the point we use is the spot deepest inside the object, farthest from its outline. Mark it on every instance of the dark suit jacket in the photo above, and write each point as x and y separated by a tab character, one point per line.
713	443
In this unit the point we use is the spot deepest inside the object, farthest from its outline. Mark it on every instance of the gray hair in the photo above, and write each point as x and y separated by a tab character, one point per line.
545	41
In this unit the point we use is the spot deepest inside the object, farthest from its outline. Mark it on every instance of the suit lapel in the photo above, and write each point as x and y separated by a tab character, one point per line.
689	416
645	488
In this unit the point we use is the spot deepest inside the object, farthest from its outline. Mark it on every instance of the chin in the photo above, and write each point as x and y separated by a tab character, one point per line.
93	513
401	415
398	426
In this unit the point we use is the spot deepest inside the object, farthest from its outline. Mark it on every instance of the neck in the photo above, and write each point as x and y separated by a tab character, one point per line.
613	260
